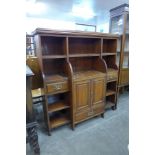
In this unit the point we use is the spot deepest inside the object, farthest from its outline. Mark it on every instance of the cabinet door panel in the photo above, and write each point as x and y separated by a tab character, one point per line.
98	109
98	91
82	96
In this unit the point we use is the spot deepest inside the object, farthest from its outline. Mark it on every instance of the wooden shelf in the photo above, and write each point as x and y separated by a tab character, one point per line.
85	55
87	74
53	56
126	51
55	78
57	106
105	54
110	92
109	70
58	121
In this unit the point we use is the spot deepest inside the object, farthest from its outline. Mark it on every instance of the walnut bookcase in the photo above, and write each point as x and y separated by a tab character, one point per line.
80	74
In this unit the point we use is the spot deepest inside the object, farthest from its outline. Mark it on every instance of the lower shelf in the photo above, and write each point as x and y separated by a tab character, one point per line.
57	106
58	121
110	92
109	104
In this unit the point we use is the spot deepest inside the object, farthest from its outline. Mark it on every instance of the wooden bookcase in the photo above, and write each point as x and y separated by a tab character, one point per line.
119	24
80	74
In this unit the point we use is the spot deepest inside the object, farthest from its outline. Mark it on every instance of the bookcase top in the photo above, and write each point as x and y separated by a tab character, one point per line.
45	31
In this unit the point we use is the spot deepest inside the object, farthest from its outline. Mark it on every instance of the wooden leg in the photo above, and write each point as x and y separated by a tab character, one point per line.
33	140
102	115
49	133
113	107
118	89
73	127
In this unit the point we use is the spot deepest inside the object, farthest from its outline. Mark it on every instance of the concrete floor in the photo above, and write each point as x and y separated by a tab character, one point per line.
97	136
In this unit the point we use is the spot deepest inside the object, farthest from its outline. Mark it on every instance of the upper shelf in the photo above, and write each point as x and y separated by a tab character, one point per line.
84	55
52	45
84	45
61	47
106	54
53	56
109	46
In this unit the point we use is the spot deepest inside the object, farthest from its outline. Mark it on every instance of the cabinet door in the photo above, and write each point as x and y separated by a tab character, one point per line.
98	91
82	96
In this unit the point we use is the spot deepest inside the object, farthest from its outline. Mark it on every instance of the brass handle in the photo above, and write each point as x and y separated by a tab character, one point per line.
58	86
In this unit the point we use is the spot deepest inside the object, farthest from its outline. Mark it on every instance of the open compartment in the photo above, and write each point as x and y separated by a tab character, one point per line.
58	102
110	101
110	61
112	69
84	45
59	118
83	64
109	45
54	67
53	45
111	88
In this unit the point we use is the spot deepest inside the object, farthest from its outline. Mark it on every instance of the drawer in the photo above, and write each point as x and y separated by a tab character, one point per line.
57	87
83	116
112	76
98	109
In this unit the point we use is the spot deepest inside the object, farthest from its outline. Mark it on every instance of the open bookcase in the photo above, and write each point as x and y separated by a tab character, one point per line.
80	74
56	92
109	56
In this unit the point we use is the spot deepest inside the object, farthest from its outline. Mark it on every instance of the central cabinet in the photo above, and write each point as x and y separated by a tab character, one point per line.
88	95
76	67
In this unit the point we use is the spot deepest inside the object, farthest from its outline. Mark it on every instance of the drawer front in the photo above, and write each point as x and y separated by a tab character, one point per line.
57	87
98	109
112	76
83	116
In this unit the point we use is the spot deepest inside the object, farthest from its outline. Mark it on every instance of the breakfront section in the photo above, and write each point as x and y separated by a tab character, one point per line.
109	47
119	24
88	77
51	51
